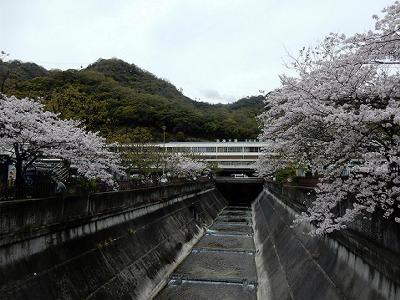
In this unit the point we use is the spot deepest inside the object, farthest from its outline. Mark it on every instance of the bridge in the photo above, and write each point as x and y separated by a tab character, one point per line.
243	180
231	238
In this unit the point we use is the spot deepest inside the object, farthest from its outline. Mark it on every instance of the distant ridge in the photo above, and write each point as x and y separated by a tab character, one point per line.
129	104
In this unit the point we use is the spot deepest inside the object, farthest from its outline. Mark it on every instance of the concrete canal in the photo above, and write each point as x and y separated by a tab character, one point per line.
228	239
221	265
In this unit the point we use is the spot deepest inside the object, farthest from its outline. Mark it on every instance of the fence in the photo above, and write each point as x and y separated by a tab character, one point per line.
44	187
31	214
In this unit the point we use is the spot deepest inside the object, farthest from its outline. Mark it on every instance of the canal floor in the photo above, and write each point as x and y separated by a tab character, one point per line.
221	265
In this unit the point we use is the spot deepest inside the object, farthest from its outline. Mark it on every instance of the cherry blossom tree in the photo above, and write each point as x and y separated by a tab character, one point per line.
180	165
28	132
342	112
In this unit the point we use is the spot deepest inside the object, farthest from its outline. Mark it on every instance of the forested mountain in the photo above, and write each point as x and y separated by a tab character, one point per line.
129	104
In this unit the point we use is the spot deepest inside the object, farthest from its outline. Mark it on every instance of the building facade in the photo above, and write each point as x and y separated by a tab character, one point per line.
222	154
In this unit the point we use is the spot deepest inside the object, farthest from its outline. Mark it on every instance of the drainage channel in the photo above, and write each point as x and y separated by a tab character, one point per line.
221	265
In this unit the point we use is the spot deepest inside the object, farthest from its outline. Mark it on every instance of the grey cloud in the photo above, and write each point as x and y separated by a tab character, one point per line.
214	96
217	51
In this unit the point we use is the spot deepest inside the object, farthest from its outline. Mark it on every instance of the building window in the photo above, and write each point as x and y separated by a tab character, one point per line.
251	149
203	149
229	149
236	163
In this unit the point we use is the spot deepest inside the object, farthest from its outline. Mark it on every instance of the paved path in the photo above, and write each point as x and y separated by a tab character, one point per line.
221	265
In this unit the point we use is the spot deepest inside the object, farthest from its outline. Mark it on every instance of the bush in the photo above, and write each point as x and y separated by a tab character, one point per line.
285	175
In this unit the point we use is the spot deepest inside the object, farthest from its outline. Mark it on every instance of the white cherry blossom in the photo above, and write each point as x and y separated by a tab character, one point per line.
180	165
27	132
342	112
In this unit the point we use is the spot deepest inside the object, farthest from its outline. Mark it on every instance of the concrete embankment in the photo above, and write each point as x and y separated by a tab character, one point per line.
221	265
107	246
129	245
293	265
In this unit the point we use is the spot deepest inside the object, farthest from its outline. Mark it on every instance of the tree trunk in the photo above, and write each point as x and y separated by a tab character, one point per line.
19	180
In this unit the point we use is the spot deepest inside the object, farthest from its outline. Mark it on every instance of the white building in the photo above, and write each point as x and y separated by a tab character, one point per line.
224	154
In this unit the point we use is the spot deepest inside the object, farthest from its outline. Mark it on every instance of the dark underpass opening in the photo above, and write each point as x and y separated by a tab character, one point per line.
239	191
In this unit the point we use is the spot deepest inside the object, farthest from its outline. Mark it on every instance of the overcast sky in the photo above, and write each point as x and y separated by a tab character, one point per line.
215	50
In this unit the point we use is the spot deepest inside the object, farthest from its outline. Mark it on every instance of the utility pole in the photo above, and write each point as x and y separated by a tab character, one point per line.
164	128
163	176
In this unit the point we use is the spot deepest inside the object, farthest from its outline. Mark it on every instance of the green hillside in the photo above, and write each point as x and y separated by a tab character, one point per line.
129	104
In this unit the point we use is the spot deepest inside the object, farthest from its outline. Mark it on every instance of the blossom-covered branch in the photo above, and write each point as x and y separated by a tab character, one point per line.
180	165
27	132
342	111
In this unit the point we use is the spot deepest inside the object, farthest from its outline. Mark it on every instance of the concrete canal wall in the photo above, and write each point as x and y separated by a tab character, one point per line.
124	245
119	245
294	265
